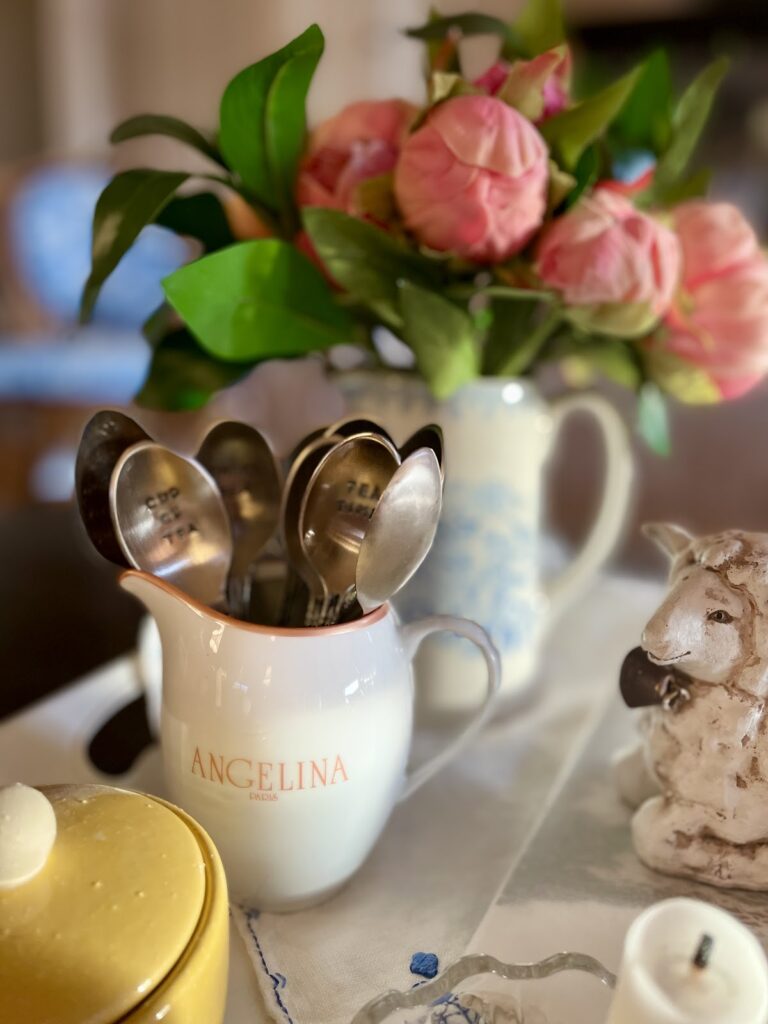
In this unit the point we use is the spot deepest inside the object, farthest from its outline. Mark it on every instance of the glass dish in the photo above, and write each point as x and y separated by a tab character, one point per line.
480	989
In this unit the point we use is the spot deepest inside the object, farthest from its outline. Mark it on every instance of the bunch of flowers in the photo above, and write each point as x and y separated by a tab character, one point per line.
506	222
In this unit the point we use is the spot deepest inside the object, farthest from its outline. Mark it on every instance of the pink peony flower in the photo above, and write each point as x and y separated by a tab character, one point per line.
473	179
539	88
362	141
719	321
616	267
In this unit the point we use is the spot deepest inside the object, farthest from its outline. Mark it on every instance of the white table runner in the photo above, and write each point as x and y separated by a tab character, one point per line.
444	854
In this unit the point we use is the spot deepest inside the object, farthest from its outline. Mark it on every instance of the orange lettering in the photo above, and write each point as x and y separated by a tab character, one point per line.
264	770
240	785
198	761
283	787
338	766
320	775
216	769
301	774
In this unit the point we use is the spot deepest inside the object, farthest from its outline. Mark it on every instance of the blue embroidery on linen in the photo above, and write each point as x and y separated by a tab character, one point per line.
278	980
424	964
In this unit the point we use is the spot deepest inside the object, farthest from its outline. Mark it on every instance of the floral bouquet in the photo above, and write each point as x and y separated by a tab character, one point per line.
508	221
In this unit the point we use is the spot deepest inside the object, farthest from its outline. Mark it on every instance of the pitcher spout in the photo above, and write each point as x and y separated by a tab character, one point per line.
164	602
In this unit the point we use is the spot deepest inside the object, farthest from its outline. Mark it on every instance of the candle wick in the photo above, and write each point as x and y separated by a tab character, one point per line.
703	952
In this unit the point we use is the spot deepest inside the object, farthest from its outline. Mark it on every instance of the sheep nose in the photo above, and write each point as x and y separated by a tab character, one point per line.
655	644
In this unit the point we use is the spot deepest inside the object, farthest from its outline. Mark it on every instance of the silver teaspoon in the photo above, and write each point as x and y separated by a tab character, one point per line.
246	472
339	501
401	529
106	436
170	520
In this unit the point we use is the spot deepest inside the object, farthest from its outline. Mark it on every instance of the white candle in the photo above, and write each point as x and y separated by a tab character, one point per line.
659	983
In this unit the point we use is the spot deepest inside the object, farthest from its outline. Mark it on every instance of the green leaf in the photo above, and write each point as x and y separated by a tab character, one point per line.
129	202
677	192
540	26
613	358
499	291
688	123
183	377
617	319
375	197
263	120
652	419
257	300
505	291
366	261
442	338
510	323
442	54
524	352
163	124
561	185
617	362
444	85
159	324
199	216
681	380
570	132
586	173
645	121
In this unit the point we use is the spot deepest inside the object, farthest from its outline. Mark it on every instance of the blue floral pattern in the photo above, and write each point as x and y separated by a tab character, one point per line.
465	1008
482	565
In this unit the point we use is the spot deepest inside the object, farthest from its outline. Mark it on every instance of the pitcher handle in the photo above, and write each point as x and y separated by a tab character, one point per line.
617	492
413	634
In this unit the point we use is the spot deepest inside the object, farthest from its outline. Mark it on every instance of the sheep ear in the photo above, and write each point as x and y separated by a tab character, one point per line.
670	538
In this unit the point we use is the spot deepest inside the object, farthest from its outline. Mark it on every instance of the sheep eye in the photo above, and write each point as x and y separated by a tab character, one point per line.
721	615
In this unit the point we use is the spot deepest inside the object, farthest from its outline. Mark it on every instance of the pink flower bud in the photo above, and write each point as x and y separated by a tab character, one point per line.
719	322
362	141
473	179
538	88
615	266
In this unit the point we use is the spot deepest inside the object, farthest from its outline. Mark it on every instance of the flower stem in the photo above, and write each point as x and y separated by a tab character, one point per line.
524	354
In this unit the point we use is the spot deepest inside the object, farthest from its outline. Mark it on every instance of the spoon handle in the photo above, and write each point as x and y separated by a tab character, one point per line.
336	608
296	601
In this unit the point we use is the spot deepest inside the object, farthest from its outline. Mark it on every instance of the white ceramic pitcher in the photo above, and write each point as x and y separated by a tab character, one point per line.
290	745
499	434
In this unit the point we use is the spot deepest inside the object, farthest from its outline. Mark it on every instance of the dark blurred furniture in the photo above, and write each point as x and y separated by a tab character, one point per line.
61	612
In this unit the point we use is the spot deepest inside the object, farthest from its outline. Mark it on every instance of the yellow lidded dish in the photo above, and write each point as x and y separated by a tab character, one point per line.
126	921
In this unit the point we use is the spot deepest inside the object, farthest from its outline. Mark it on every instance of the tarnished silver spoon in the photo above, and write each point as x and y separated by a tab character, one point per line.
351	425
244	467
303	580
170	520
401	529
338	504
430	436
106	436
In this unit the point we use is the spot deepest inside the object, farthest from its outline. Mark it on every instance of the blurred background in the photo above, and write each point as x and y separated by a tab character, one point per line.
71	69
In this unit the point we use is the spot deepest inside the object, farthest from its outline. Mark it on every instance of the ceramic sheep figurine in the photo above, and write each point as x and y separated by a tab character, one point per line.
705	752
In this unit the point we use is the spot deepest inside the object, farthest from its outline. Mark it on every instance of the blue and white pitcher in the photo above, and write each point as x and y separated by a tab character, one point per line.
486	562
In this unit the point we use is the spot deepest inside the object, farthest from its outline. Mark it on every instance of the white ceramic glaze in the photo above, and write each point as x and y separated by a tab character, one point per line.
290	746
707	755
486	561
